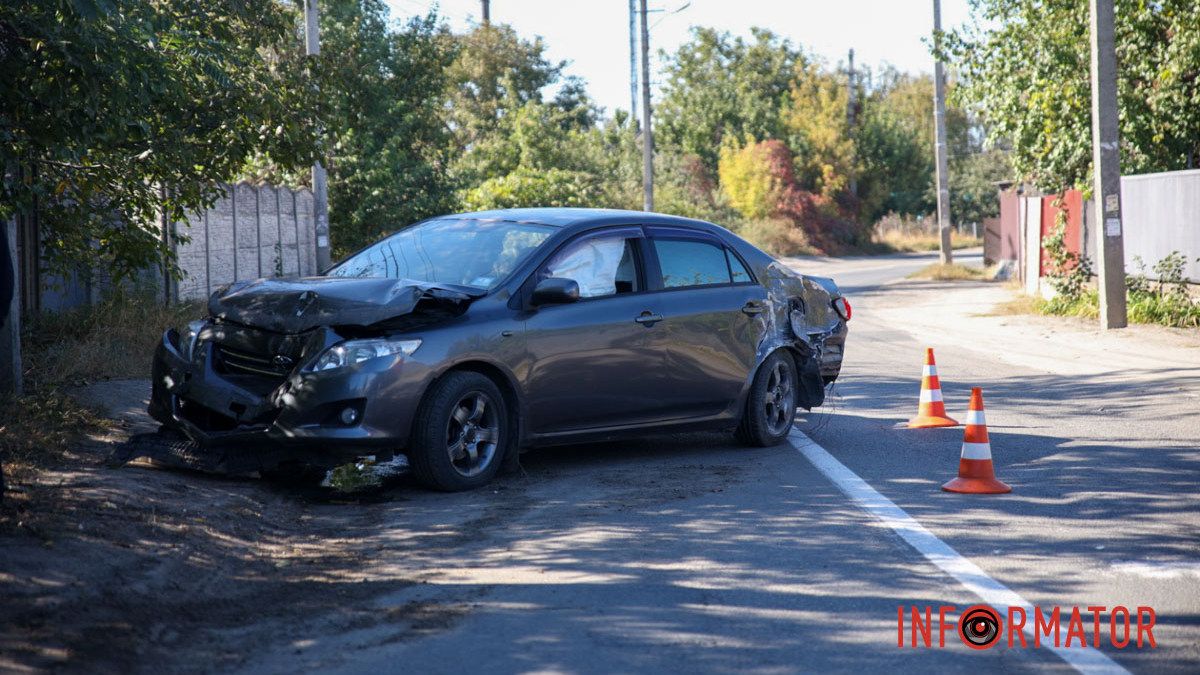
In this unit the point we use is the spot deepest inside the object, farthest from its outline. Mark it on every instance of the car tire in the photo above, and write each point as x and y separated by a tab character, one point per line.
461	433
771	403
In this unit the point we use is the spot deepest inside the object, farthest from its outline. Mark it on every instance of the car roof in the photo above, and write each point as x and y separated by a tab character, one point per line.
571	217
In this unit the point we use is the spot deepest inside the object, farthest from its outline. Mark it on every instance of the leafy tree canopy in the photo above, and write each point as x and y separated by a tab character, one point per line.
719	86
1025	66
111	110
390	151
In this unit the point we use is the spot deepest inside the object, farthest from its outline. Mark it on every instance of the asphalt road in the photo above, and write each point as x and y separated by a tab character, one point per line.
689	553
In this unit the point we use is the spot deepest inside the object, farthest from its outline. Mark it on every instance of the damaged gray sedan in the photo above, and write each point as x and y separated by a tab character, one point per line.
463	339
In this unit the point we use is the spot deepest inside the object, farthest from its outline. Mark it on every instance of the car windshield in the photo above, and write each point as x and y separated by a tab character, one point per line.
478	253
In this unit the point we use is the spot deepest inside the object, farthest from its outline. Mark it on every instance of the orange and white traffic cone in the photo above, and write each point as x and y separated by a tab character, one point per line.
976	475
932	411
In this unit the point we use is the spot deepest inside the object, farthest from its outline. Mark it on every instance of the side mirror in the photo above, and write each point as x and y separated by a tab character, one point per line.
555	291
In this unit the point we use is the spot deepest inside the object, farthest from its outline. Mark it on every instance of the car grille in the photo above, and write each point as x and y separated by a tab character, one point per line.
238	362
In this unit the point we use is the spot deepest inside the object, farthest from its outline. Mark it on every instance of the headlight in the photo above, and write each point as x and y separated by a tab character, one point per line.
351	352
187	338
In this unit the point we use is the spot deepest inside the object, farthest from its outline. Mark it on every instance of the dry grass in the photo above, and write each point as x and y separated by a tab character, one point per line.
920	242
777	237
1020	304
951	272
37	430
113	339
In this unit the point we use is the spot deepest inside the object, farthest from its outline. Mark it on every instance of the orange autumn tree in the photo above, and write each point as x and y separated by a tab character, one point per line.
759	180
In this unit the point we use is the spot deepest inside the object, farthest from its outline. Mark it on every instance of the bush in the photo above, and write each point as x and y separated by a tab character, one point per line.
531	187
1166	301
775	236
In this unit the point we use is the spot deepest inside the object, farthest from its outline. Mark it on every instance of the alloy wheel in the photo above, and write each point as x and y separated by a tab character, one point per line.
780	399
473	434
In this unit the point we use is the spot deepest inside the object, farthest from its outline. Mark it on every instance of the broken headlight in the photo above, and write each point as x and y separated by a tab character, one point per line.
187	338
351	352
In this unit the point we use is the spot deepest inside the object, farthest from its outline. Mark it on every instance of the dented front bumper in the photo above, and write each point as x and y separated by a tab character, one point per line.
299	420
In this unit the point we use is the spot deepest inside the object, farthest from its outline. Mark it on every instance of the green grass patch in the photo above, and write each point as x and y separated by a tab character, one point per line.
951	272
1173	310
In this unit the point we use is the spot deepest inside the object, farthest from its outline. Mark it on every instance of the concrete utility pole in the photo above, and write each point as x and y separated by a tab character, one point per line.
487	12
939	130
647	135
312	47
10	311
851	113
633	63
1106	167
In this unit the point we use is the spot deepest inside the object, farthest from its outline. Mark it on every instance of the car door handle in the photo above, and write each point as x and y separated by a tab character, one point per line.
753	308
648	318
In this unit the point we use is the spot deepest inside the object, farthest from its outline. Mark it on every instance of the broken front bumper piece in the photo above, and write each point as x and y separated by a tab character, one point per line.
250	421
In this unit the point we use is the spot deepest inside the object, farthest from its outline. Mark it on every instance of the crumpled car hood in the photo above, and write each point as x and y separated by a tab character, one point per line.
297	305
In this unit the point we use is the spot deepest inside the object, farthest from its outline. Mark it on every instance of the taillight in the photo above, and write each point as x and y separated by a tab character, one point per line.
842	306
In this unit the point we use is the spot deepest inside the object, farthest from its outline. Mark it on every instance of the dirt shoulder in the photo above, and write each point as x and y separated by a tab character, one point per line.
117	570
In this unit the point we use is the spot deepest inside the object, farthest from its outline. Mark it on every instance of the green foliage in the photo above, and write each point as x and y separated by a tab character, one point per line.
114	110
1025	66
1070	272
749	182
760	182
354	477
496	73
532	187
719	86
1166	301
388	164
973	178
820	133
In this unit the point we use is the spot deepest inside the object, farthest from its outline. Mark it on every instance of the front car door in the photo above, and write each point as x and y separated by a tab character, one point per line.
713	319
600	361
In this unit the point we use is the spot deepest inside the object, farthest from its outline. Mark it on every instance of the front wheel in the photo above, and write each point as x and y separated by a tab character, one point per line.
460	434
771	404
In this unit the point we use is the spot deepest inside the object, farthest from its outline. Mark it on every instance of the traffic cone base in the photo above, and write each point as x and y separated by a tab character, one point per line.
976	476
931	411
930	422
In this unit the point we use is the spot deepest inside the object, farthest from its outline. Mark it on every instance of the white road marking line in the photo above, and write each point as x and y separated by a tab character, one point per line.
940	553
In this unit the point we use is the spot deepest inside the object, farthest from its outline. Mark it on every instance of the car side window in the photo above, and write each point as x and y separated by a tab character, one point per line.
737	269
603	265
686	262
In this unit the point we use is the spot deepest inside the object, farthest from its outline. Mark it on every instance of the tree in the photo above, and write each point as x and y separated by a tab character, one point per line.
719	86
494	73
115	109
1025	67
533	187
818	131
390	152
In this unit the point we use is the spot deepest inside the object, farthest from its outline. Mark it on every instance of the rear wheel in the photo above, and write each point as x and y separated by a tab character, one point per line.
460	434
771	404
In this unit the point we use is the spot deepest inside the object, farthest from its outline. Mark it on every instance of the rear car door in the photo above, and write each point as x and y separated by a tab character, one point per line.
599	361
713	318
